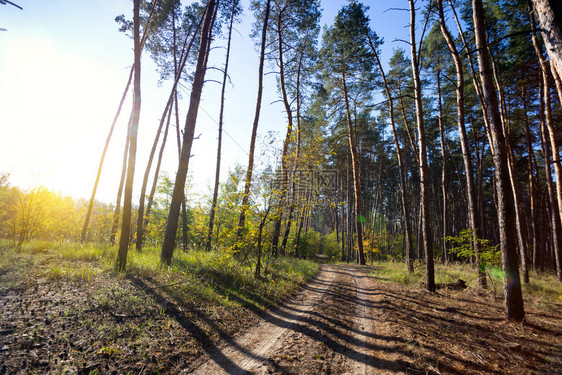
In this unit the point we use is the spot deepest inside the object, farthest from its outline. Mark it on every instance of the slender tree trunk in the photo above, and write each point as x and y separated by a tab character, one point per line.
356	176
296	159
219	144
191	118
423	167
284	158
474	219
554	219
133	130
404	196
157	171
110	134
521	234
505	204
249	171
531	177
117	212
445	218
141	213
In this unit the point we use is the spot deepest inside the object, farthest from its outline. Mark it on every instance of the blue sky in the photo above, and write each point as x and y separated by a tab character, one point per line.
63	68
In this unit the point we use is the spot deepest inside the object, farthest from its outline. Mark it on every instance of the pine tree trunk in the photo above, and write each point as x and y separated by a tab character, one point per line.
249	171
505	204
156	174
404	196
219	143
423	167
532	179
117	212
550	20
133	130
356	176
179	186
445	218
472	194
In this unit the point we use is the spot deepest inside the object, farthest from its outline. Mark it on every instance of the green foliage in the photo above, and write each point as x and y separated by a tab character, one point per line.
193	276
312	243
489	256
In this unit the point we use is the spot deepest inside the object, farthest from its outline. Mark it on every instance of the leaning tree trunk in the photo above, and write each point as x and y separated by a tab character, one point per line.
156	172
117	212
189	130
110	134
505	204
424	173
133	130
249	171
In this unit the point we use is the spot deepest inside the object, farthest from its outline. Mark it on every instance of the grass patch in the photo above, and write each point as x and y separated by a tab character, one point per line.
542	288
193	277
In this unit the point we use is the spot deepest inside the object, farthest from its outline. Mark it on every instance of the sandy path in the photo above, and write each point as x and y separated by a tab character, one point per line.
329	328
248	353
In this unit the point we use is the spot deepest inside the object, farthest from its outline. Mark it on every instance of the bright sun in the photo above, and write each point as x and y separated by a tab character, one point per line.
55	110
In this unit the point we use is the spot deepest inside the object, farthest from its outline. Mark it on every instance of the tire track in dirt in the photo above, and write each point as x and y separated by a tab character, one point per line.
250	352
376	349
335	326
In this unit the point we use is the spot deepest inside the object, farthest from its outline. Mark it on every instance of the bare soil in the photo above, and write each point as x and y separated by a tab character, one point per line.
343	322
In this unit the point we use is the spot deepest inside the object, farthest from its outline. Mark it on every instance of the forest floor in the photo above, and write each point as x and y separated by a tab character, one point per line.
347	320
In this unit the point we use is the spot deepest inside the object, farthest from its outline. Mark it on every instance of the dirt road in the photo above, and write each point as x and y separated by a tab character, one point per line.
331	327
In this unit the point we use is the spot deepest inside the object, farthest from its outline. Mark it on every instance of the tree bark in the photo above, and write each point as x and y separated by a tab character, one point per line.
550	20
356	175
505	204
249	171
473	216
404	196
117	212
133	131
189	130
110	134
423	168
445	218
219	143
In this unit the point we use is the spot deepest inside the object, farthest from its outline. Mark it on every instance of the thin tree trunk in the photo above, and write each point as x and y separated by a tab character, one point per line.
403	186
117	212
356	176
157	171
283	193
521	234
297	156
249	171
505	204
189	130
531	176
423	168
219	143
133	131
110	134
474	219
445	218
